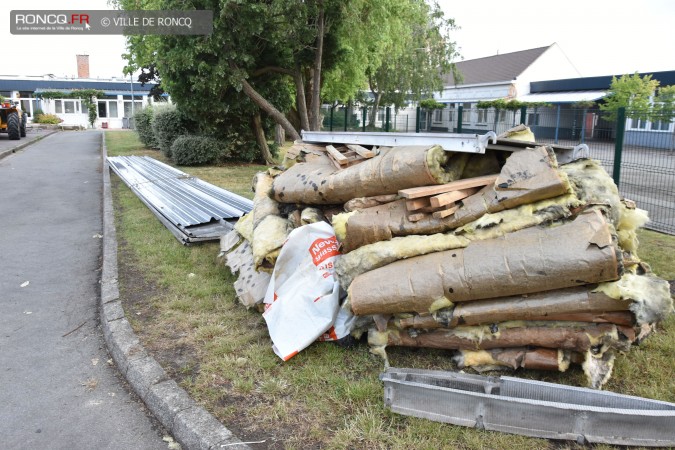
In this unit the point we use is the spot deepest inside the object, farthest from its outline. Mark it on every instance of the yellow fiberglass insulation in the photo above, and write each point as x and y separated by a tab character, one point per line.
268	237
650	296
244	226
379	254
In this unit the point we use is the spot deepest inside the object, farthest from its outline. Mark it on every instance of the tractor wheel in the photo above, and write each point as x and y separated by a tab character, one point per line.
13	126
24	121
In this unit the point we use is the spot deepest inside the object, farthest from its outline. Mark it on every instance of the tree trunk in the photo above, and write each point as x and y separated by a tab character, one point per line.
260	139
301	101
266	106
373	111
316	75
279	135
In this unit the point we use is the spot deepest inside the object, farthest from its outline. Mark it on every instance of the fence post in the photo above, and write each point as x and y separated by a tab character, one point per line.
618	144
407	118
460	111
346	115
363	118
583	125
523	114
332	108
417	119
387	117
557	123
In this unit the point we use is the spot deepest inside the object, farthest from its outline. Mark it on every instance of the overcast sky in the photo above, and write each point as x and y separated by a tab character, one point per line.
600	37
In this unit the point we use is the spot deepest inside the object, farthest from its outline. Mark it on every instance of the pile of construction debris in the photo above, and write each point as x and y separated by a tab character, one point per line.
508	258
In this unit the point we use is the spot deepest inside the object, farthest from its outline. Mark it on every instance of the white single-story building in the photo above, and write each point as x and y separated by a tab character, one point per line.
121	97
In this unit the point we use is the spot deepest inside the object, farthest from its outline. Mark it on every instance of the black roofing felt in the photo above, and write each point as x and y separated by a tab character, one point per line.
593	83
32	85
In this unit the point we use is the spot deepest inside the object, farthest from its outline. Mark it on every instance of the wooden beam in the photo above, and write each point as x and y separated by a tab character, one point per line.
426	191
361	150
451	197
337	156
446	212
413	205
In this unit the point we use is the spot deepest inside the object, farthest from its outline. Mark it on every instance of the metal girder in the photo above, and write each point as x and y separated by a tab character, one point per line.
467	143
529	407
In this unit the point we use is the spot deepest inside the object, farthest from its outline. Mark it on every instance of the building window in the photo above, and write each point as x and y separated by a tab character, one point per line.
438	115
451	112
482	115
638	124
69	106
112	109
466	113
127	108
533	119
107	109
660	125
58	107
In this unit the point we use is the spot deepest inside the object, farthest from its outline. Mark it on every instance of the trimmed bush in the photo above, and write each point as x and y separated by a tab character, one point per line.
167	124
143	125
196	150
47	118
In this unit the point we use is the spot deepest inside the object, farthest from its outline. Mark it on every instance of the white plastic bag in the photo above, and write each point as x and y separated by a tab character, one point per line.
303	297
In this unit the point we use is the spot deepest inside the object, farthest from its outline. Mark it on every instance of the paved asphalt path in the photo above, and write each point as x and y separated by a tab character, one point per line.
57	389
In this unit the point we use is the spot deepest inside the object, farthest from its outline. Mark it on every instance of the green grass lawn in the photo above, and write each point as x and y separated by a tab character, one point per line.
181	303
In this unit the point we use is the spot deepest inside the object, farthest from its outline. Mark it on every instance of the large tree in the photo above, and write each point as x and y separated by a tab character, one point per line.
414	60
277	55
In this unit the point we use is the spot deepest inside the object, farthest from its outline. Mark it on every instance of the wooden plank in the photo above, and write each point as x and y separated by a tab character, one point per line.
414	205
451	197
336	155
426	191
361	150
446	212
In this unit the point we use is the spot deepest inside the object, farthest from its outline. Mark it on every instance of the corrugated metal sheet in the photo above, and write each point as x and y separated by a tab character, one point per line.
196	210
529	407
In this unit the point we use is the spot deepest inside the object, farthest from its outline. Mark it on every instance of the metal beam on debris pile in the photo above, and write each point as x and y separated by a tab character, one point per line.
563	153
467	143
190	208
529	407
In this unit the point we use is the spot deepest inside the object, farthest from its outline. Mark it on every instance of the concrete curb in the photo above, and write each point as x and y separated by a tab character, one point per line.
190	424
9	151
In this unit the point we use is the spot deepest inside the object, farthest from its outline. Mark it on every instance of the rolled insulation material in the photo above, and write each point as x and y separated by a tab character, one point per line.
490	226
536	306
523	262
263	205
579	338
311	215
268	237
318	182
650	296
528	176
360	203
515	358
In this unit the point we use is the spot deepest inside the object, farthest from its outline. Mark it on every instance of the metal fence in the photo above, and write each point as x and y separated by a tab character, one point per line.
639	153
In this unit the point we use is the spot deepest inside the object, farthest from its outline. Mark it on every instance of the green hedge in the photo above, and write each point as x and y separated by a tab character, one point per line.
143	125
196	150
168	124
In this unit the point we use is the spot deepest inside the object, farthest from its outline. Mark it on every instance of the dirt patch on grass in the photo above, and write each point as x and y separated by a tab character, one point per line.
138	294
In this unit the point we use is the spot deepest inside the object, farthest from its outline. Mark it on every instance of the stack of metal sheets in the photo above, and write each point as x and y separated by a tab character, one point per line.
190	208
